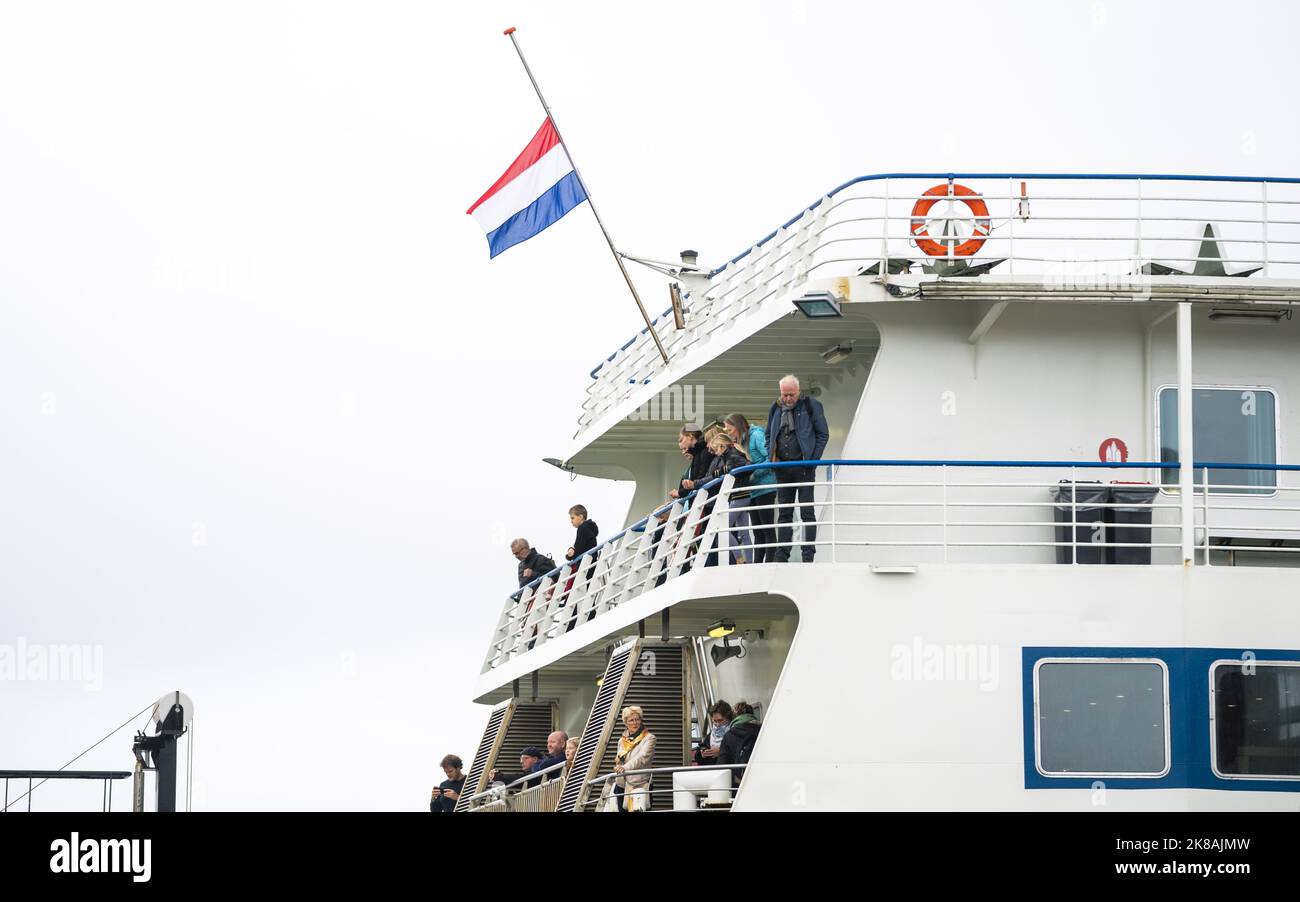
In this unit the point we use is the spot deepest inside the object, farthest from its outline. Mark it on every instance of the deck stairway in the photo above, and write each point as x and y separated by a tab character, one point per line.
512	726
656	675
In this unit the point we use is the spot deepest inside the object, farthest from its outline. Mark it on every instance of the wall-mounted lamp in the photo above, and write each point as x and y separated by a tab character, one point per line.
819	305
1250	315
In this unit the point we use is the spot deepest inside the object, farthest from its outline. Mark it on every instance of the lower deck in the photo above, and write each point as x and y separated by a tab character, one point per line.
960	686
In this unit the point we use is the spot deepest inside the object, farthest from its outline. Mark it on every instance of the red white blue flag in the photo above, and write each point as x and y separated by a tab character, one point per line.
539	187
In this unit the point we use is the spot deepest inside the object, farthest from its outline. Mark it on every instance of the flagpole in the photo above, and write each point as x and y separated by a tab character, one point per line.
510	33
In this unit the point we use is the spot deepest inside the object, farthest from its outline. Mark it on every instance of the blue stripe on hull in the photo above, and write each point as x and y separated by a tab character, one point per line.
1189	715
559	199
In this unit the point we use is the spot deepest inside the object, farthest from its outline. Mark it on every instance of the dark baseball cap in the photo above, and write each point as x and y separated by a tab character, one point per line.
531	751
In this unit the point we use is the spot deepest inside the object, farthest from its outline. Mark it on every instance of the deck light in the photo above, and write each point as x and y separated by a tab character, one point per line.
819	305
837	352
1250	315
726	650
722	628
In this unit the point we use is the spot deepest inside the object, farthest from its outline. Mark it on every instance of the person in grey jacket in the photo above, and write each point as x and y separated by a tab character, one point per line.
796	430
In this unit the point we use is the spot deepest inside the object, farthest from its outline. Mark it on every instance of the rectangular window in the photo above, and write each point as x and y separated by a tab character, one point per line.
1256	731
1101	718
1230	425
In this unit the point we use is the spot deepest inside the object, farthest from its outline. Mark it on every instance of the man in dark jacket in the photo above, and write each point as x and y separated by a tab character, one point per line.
738	744
796	430
448	791
532	563
532	761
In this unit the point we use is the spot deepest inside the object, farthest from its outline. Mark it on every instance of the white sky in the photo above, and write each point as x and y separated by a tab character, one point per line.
268	415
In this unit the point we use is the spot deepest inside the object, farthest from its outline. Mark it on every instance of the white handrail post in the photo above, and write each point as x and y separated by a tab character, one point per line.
1263	186
1205	511
884	243
1186	475
944	470
1074	515
1139	224
1012	215
830	478
721	515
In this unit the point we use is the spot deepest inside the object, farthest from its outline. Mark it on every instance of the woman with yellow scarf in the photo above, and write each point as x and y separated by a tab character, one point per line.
636	751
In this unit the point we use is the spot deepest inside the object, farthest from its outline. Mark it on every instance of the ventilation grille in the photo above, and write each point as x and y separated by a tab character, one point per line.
597	723
478	767
531	723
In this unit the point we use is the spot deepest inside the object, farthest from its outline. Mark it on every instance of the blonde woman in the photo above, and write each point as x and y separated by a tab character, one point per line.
636	751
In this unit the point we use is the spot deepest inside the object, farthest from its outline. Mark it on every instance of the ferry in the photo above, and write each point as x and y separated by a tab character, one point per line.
1057	514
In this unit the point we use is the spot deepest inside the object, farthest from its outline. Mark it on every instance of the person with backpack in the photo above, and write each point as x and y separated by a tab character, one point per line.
738	744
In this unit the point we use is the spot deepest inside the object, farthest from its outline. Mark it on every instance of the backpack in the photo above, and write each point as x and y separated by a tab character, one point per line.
747	748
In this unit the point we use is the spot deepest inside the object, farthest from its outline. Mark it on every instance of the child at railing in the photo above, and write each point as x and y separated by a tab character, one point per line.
584	541
725	459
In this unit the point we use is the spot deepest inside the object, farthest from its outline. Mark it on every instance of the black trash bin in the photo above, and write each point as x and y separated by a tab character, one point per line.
1130	523
1079	501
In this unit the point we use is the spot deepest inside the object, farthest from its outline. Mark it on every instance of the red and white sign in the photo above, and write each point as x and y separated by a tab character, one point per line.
1113	451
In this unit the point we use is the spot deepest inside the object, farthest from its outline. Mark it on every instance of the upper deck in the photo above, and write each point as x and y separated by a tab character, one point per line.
964	390
1055	237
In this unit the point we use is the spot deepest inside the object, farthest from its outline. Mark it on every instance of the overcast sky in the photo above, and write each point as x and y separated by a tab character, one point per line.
269	416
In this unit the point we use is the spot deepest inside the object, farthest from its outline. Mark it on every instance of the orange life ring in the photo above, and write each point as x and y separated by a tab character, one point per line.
980	232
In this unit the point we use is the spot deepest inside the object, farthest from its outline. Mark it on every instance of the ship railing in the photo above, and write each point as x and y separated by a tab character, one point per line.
105	776
646	554
889	519
1063	232
908	512
601	796
518	796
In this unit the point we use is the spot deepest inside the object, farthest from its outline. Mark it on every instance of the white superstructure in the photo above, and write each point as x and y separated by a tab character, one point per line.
971	634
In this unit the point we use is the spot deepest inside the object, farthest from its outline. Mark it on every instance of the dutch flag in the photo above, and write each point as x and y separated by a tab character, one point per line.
539	187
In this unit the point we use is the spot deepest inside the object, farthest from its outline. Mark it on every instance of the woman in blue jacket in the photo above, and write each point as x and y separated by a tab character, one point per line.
752	442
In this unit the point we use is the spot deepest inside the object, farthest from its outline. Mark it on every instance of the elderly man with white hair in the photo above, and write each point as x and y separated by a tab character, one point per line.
796	430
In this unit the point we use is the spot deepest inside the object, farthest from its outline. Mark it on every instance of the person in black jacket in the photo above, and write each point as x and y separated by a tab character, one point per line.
692	444
532	563
720	717
585	540
738	744
725	459
533	761
448	791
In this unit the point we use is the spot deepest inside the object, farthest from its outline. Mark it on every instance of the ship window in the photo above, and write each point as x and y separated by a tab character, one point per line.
1230	425
1256	719
1097	717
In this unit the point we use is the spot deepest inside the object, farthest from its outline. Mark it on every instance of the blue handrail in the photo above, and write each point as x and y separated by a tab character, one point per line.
641	524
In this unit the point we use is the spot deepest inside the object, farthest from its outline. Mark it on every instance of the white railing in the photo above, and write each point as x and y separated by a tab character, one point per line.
905	513
1068	231
770	270
519	796
600	797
